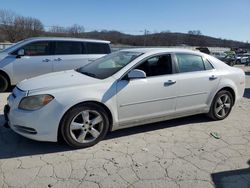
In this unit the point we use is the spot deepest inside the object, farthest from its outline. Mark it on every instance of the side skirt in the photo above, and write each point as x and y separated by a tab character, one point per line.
156	119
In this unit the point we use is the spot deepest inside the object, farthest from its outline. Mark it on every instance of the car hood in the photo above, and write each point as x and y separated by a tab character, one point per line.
56	80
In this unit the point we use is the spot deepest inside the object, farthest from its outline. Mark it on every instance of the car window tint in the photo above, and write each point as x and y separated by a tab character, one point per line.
37	48
97	48
208	65
64	48
190	63
158	65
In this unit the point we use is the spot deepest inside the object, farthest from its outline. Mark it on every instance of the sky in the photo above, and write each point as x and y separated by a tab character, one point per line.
227	19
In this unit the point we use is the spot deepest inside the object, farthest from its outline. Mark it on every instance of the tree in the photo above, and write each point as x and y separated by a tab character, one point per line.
16	27
76	30
57	29
194	32
6	24
27	27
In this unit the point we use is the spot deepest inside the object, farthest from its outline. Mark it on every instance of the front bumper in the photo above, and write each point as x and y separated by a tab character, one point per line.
40	125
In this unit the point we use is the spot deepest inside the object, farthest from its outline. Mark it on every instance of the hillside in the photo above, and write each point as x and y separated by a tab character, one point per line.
158	39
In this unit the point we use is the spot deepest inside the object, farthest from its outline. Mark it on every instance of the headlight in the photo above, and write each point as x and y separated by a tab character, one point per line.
35	102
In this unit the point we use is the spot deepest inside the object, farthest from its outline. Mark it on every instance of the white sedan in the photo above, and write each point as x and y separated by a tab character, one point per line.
123	89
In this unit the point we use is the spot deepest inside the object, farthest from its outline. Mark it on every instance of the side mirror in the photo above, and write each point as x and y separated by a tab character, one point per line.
136	73
20	53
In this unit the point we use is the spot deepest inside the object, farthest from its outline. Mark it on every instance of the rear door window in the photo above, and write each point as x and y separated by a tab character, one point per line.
190	63
67	48
97	48
208	65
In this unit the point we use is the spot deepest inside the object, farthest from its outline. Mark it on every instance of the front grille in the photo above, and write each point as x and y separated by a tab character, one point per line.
25	129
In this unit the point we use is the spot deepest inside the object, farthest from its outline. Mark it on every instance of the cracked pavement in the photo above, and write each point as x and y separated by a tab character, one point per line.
177	153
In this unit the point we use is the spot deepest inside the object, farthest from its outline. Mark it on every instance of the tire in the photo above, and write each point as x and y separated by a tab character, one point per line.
4	83
232	63
238	62
84	125
221	106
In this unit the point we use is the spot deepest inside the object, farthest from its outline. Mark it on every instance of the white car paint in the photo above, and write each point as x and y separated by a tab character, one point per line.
19	69
131	103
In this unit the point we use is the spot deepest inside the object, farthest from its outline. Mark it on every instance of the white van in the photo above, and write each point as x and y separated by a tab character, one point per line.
35	56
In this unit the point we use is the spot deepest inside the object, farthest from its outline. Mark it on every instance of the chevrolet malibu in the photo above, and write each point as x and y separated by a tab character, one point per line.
123	89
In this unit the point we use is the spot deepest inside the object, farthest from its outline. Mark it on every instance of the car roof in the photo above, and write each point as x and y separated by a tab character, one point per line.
66	39
163	50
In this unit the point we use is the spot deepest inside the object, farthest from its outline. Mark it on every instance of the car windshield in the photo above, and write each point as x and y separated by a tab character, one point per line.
108	65
13	46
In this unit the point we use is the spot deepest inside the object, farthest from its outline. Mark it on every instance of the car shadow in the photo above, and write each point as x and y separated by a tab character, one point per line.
201	118
233	179
13	145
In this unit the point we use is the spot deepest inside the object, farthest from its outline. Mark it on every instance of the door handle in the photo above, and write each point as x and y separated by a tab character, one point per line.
91	60
213	77
46	60
169	82
58	59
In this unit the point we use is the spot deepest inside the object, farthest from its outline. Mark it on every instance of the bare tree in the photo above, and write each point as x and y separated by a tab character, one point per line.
73	31
7	19
27	27
57	29
76	30
16	27
194	32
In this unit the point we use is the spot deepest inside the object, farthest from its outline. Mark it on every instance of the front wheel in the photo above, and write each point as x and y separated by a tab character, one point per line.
221	106
85	125
4	84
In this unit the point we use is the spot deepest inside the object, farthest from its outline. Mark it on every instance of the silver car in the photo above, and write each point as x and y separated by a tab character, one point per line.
36	56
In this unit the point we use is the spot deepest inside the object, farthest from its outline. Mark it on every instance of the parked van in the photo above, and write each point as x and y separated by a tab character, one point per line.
35	56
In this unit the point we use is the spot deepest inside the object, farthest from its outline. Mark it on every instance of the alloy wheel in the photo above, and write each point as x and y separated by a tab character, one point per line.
223	106
86	126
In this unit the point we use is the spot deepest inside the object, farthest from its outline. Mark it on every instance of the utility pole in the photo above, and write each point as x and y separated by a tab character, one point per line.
146	32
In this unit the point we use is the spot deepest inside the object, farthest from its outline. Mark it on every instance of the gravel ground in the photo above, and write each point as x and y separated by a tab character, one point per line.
176	153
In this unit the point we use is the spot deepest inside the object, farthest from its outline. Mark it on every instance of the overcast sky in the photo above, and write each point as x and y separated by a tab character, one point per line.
229	19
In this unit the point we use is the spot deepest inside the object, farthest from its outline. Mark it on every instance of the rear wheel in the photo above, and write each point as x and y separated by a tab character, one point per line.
221	106
84	126
4	84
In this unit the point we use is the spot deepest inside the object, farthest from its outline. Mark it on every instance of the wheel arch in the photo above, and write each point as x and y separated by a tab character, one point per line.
110	116
229	89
